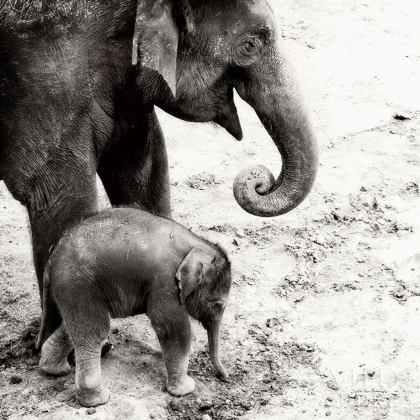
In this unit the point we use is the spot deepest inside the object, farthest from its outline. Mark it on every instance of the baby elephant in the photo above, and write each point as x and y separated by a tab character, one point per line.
124	262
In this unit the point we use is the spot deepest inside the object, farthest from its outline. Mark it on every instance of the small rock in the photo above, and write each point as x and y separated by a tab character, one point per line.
175	405
310	45
90	411
306	347
396	130
401	116
272	322
247	405
318	218
333	385
352	395
65	396
115	331
206	417
299	298
16	379
371	373
399	292
205	405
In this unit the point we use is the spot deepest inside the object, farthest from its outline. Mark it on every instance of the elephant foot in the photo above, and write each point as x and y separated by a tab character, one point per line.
92	397
55	369
180	388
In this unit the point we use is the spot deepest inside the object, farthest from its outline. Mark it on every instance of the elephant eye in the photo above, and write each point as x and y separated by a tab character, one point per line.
217	306
251	46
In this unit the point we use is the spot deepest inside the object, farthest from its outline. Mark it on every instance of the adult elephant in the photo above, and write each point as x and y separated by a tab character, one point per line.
77	96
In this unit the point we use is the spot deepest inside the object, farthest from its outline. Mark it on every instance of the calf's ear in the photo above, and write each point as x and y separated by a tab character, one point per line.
192	270
155	41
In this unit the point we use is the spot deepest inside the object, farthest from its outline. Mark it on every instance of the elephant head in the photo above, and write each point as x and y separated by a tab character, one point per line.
204	280
204	50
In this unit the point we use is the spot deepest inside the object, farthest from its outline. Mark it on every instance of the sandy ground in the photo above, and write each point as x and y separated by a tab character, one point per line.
324	313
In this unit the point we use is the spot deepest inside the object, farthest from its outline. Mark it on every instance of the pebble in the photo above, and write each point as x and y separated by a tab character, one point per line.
399	292
272	322
401	116
176	406
333	385
206	417
248	405
318	218
16	379
205	405
90	411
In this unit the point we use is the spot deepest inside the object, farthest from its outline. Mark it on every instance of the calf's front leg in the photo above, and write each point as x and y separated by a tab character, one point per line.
172	326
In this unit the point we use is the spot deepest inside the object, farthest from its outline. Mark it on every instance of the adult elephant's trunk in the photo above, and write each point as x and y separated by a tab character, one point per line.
270	89
213	334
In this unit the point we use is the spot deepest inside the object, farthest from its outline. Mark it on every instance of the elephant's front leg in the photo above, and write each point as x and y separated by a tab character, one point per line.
173	329
135	169
54	353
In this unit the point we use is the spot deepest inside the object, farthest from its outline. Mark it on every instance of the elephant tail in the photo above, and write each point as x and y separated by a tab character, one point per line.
46	296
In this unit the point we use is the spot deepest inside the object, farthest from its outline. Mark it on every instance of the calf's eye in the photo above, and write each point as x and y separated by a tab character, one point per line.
217	306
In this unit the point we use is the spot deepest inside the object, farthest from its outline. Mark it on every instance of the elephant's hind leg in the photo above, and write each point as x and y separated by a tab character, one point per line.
135	170
54	353
89	389
88	326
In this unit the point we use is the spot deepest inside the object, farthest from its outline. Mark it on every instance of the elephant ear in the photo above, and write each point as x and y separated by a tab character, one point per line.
192	270
156	39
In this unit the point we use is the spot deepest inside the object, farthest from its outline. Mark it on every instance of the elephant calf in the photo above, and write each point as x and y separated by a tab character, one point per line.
124	262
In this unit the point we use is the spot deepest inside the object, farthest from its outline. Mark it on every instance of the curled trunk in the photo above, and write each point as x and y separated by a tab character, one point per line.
271	90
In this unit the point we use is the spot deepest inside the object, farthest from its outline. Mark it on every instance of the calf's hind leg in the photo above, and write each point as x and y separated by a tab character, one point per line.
54	353
88	326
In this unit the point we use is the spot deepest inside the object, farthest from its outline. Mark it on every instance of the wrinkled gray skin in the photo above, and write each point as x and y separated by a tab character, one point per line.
123	262
77	97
